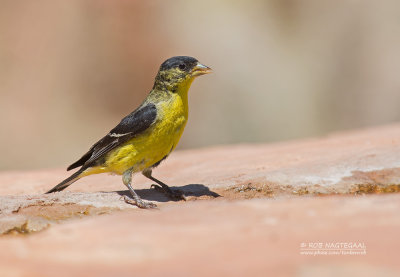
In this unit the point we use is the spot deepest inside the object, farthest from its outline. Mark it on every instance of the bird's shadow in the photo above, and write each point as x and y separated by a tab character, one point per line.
150	194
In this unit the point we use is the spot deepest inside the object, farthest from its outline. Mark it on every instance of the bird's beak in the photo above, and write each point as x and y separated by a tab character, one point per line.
200	69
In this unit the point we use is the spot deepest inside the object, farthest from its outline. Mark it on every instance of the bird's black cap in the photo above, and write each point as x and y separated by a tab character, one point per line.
182	62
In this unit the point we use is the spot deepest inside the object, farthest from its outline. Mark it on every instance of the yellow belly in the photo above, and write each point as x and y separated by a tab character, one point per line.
152	145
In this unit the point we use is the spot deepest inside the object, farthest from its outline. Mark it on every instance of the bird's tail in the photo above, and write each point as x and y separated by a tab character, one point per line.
64	184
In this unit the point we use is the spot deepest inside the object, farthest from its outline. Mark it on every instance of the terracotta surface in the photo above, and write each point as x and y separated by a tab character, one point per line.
247	237
329	164
272	199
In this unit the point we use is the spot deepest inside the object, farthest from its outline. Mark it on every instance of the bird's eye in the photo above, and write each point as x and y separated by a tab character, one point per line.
182	66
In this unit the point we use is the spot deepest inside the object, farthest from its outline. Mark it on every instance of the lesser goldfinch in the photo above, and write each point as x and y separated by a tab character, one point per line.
145	137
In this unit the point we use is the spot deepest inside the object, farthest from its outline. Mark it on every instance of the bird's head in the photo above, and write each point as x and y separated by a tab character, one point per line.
179	72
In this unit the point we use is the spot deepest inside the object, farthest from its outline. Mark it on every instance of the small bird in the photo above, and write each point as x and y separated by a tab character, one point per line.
145	137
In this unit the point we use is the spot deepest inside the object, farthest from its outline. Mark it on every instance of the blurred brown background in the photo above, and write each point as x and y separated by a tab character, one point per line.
71	69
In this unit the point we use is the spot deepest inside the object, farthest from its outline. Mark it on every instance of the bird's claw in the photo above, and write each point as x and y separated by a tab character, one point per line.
175	194
139	203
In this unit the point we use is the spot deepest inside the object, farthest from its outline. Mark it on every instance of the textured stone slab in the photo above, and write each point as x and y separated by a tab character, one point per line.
282	183
254	237
347	162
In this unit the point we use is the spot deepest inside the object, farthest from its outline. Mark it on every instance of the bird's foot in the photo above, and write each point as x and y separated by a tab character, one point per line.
175	194
139	203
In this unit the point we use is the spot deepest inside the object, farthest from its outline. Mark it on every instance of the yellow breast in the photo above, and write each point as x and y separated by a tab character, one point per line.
152	145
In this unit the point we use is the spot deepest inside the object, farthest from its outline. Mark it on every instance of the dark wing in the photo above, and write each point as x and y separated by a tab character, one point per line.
130	126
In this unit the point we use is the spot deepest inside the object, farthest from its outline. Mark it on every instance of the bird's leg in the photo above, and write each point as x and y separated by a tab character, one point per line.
173	194
135	200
